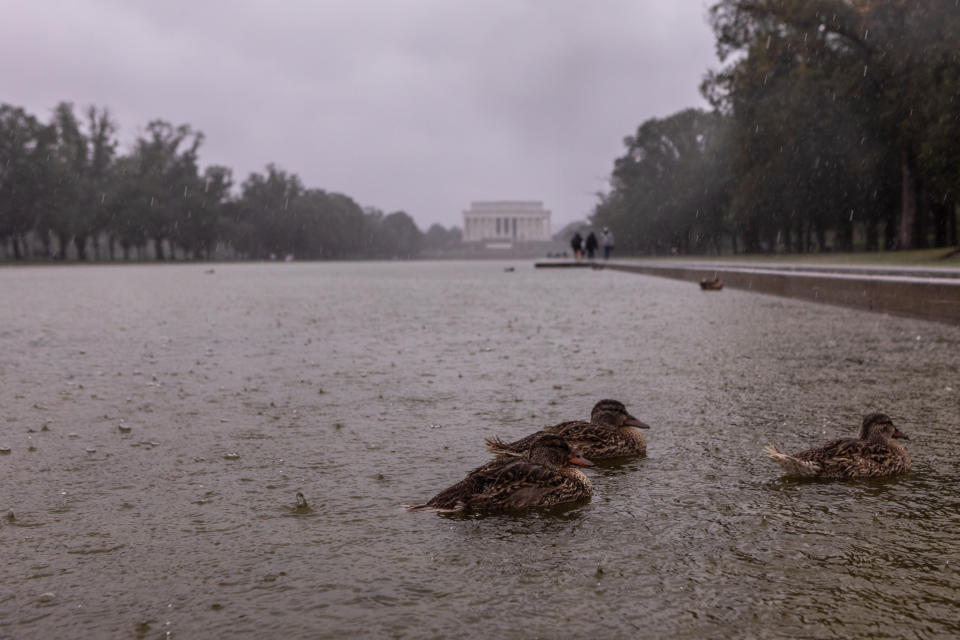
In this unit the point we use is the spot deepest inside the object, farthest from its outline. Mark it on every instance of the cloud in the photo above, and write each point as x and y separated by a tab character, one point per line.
419	105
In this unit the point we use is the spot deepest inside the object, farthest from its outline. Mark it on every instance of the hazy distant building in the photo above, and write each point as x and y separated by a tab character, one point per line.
506	224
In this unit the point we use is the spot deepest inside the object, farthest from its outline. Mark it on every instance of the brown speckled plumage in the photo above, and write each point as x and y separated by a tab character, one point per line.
611	433
711	284
872	454
542	477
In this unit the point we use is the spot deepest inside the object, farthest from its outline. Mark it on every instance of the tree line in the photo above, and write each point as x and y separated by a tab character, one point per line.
65	190
835	126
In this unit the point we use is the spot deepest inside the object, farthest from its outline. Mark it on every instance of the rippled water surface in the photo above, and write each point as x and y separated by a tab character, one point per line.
158	421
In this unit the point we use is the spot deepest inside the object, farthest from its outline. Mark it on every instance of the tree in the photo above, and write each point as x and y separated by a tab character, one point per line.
438	238
76	170
101	133
127	197
339	224
165	170
401	237
200	211
267	207
62	211
863	64
25	173
63	181
669	189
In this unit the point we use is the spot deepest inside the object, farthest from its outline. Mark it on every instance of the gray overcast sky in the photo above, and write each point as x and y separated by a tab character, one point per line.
414	105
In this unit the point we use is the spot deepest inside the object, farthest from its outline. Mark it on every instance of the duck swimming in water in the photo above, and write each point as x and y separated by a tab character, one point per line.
611	433
872	454
542	477
711	284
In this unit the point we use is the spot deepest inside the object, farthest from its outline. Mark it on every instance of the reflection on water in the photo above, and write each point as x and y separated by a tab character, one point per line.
548	515
161	421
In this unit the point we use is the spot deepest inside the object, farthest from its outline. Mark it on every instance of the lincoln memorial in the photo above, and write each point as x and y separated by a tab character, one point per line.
504	224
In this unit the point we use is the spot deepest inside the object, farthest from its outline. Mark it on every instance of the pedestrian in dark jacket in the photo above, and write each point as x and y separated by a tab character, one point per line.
576	243
591	245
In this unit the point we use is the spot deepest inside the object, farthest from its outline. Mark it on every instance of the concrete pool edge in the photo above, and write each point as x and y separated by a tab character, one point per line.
902	293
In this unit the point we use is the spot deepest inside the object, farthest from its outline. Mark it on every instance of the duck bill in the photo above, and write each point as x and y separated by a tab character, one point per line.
900	434
633	422
579	461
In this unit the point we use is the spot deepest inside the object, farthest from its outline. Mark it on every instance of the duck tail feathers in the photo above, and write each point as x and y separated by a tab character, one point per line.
791	465
772	451
499	447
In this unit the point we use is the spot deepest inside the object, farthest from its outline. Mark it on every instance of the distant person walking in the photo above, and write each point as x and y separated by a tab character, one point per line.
591	245
607	243
576	243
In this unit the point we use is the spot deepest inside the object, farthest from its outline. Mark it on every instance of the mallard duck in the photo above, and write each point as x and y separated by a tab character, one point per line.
542	477
611	433
871	454
711	284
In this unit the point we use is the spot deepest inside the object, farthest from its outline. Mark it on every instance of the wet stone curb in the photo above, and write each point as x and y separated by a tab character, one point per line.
929	295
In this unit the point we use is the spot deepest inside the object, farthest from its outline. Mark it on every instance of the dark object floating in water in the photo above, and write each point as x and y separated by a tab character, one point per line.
510	269
210	271
714	284
302	506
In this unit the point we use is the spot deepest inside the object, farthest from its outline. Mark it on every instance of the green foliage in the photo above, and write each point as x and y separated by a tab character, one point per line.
669	188
71	204
62	183
400	236
835	121
269	203
836	106
438	238
26	175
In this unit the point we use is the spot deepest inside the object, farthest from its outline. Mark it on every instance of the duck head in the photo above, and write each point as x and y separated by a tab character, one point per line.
554	452
613	413
879	426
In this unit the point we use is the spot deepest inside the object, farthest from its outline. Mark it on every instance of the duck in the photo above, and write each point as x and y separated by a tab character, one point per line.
544	476
610	433
872	454
714	284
